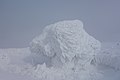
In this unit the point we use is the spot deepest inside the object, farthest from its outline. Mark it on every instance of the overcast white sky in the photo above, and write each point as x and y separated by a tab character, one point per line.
22	20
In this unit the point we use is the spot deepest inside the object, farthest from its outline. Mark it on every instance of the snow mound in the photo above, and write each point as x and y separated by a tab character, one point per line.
63	42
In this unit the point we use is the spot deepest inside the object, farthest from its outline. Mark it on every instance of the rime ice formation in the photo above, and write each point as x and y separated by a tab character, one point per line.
65	42
64	51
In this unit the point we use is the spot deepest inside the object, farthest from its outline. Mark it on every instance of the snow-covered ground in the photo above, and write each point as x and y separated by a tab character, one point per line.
64	51
108	63
108	60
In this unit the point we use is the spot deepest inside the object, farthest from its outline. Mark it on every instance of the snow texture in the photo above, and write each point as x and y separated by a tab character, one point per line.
109	56
14	65
64	51
63	42
11	61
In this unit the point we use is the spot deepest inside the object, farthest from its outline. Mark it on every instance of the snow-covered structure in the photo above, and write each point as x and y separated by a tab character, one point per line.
65	42
66	45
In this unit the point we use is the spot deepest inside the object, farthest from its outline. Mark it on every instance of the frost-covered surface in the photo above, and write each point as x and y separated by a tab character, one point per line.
65	41
19	66
67	50
23	71
64	51
16	71
109	56
5	75
13	59
12	64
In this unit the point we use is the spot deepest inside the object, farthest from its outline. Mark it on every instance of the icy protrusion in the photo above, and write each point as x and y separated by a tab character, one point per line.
65	41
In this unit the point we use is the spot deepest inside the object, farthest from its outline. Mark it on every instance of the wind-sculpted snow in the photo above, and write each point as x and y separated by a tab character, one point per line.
65	41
